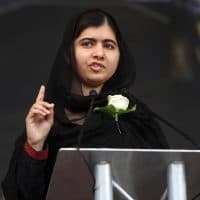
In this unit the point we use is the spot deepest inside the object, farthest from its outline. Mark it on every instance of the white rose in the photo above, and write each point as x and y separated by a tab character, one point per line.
118	101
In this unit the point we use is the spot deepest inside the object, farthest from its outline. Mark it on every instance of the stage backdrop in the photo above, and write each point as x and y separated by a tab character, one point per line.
166	57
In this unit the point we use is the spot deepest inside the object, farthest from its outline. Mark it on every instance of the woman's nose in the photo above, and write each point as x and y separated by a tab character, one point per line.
98	52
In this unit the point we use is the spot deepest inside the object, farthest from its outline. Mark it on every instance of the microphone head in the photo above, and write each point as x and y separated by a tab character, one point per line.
92	93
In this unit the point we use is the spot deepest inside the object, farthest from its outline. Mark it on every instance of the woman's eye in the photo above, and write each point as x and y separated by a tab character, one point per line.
109	46
87	44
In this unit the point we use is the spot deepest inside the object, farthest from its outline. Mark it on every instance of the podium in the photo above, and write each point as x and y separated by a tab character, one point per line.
135	174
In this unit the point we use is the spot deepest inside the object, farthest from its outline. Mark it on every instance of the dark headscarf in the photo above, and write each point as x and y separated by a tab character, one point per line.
59	87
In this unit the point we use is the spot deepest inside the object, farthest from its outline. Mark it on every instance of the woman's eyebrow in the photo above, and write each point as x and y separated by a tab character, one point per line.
88	38
94	39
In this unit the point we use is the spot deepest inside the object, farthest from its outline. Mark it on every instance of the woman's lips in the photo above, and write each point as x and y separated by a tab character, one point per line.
96	67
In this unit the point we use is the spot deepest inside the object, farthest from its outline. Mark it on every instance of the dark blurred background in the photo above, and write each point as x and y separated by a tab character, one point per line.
163	37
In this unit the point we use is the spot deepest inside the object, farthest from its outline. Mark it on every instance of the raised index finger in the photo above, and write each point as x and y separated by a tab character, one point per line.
41	93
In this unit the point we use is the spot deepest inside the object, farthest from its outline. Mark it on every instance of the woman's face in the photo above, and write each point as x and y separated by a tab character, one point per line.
97	55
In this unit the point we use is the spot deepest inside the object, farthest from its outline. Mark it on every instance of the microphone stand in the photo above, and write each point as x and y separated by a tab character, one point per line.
92	93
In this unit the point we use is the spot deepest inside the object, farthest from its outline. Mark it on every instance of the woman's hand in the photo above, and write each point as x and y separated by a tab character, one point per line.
39	121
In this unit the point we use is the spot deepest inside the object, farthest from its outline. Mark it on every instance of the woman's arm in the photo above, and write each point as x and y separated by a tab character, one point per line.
26	176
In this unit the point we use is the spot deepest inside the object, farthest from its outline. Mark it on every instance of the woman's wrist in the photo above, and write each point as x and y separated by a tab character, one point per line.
36	146
37	155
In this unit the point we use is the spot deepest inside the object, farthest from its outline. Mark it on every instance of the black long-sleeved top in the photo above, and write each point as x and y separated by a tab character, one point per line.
28	179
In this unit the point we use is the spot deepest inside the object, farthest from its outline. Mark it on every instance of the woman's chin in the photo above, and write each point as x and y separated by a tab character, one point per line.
94	83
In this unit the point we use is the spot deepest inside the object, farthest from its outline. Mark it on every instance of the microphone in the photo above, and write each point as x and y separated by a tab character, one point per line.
92	93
